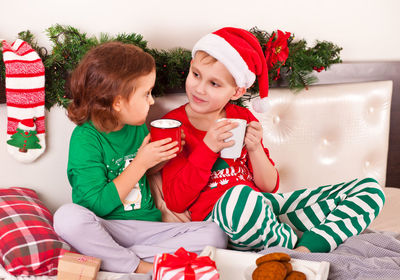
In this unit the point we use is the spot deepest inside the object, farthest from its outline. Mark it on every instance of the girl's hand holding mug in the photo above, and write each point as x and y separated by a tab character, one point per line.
153	153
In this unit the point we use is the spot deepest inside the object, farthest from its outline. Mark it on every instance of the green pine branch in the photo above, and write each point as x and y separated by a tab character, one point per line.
69	45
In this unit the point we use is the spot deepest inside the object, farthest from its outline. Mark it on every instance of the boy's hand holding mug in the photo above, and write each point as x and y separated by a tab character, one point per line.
253	136
218	133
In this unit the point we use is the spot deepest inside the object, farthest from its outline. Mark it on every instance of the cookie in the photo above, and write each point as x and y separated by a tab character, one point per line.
280	257
296	275
271	270
288	267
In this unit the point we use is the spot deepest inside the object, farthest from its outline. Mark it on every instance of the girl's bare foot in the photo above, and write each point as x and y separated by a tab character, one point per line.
302	249
144	267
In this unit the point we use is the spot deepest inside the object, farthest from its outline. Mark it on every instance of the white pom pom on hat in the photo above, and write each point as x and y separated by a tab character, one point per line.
261	105
241	53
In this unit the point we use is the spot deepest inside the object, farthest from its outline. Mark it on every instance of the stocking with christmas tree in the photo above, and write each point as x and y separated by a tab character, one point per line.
25	101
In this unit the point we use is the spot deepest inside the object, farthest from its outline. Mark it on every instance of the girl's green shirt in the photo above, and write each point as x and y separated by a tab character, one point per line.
95	159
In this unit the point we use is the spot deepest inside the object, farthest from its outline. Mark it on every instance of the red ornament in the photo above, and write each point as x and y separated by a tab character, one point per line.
319	69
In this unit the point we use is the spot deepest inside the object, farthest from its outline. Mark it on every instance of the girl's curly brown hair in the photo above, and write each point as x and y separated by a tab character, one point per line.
105	72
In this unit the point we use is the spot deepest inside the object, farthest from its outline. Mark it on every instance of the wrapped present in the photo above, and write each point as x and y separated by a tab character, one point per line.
184	265
77	267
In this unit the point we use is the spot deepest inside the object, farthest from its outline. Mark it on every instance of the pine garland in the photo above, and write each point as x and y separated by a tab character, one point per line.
172	68
70	45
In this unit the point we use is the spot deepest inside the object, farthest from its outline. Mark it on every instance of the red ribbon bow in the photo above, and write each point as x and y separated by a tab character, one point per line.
183	258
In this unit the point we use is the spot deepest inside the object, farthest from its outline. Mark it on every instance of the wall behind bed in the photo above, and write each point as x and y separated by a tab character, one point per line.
366	29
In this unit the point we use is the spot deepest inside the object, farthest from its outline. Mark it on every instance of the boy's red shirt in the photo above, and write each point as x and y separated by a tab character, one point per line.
198	177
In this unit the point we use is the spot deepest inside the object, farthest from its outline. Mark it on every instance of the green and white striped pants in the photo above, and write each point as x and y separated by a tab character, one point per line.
319	219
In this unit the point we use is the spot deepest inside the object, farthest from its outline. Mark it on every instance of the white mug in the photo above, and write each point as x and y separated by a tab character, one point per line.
238	136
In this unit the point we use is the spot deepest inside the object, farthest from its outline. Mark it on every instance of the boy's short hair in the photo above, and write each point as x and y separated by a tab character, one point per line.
206	57
105	72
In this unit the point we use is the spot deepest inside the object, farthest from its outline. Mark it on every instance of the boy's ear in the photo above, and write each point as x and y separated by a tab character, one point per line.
117	103
239	92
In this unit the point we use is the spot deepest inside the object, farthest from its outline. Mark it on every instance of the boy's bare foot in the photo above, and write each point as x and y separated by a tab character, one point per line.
302	249
144	267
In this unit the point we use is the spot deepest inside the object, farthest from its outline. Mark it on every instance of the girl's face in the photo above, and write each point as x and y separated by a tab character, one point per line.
134	109
209	86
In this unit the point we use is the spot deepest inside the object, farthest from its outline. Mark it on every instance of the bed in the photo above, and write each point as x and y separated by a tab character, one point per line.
326	134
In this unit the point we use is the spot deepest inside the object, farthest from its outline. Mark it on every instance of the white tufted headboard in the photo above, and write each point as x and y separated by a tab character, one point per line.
327	134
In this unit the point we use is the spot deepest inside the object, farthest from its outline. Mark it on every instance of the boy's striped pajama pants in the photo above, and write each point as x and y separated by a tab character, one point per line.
319	219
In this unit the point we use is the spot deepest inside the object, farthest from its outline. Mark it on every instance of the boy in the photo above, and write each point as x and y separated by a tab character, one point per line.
240	195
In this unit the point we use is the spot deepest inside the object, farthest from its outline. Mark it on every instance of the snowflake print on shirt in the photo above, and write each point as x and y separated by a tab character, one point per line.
225	170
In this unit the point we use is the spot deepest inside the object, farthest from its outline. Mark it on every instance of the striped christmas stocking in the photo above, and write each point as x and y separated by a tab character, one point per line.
25	101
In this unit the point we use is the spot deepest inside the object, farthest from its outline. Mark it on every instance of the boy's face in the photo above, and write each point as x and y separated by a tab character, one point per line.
134	109
209	85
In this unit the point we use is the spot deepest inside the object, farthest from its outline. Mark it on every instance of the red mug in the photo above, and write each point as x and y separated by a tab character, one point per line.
166	128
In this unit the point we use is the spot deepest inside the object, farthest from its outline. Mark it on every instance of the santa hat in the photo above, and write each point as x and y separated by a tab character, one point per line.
241	53
27	124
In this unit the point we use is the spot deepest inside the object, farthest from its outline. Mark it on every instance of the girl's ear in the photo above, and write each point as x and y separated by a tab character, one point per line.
239	92
117	103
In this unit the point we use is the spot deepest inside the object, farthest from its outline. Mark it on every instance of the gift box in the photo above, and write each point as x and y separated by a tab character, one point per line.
184	265
77	267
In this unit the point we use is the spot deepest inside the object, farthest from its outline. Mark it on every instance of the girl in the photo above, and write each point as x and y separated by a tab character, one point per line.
113	216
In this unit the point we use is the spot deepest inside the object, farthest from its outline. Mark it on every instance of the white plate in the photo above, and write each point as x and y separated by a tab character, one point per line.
240	265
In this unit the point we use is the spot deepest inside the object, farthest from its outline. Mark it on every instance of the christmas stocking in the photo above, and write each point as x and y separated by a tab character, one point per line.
25	101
